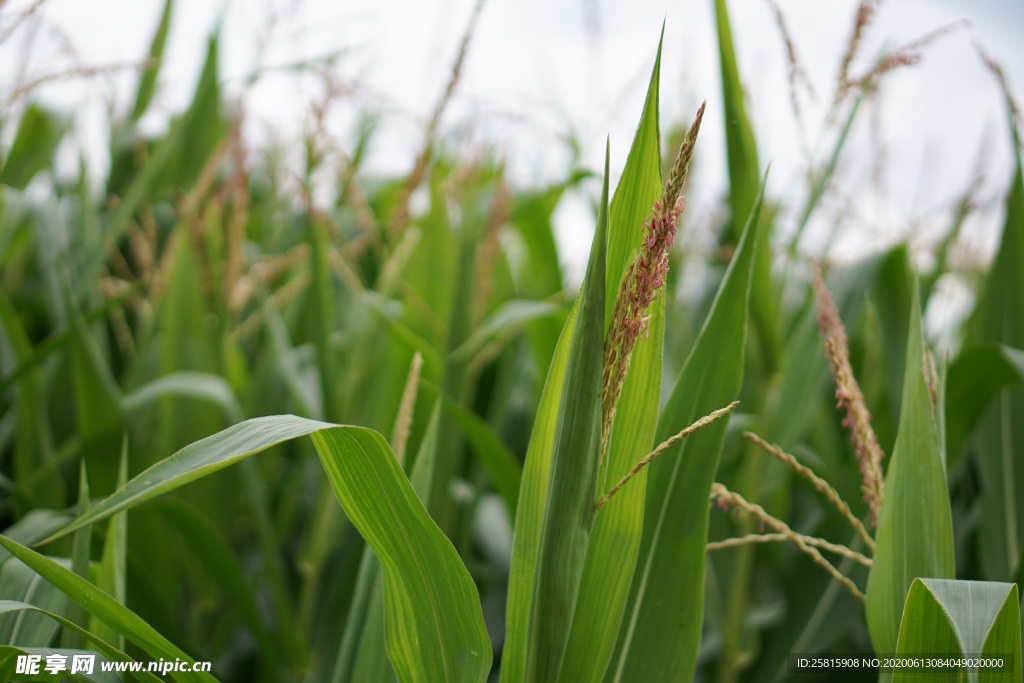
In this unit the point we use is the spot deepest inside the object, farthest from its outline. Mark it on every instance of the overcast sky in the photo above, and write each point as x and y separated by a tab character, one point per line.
538	68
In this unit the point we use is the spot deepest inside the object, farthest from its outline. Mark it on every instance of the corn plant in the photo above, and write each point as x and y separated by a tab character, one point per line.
541	509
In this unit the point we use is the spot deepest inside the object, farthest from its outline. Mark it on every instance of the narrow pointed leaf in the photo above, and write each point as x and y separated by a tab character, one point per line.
530	512
39	133
611	555
744	179
572	488
661	628
914	537
113	565
999	317
147	83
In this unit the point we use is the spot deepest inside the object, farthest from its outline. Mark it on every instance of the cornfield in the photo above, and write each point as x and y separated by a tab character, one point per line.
367	438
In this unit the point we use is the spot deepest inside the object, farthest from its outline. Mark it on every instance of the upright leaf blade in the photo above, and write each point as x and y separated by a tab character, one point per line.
113	565
660	632
611	555
744	178
999	317
147	84
914	537
572	488
530	512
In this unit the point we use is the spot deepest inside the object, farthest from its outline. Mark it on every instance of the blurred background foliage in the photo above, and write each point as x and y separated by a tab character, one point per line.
205	282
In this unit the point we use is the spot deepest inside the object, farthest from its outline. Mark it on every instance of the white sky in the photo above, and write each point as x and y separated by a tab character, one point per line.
537	68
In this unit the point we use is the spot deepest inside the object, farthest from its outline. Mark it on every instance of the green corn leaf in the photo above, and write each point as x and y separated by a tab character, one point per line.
572	488
21	584
999	317
147	84
744	179
950	618
661	628
435	626
530	512
111	653
914	537
372	664
100	604
639	187
81	551
39	133
611	555
113	565
34	527
981	372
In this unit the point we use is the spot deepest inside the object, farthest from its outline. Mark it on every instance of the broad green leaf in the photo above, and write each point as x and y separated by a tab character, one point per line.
744	179
114	563
147	83
111	653
572	487
530	512
435	626
950	618
661	628
372	664
611	555
999	317
980	373
914	538
39	133
435	629
495	455
187	384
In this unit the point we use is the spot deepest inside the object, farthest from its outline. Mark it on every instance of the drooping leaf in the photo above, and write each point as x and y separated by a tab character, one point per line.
435	626
914	537
572	487
660	632
187	384
611	555
111	653
953	619
372	664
